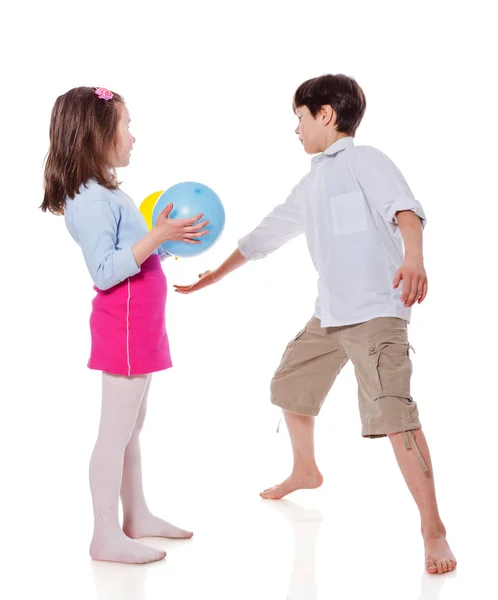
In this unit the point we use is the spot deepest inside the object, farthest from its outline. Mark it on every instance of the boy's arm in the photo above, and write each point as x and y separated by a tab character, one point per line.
412	232
277	228
412	271
280	226
234	261
386	190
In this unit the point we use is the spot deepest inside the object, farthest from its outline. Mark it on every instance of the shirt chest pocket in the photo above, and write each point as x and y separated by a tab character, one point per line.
349	213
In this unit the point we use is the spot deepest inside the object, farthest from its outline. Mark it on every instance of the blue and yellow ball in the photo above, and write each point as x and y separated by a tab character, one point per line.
189	199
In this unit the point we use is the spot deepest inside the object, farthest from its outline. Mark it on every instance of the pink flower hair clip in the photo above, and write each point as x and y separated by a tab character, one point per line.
104	94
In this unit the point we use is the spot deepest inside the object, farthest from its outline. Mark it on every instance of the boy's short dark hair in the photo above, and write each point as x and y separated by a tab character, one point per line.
342	93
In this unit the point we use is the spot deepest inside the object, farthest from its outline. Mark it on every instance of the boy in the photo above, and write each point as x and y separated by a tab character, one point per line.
357	212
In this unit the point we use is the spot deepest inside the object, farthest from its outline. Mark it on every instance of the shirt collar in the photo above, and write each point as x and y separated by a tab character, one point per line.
341	144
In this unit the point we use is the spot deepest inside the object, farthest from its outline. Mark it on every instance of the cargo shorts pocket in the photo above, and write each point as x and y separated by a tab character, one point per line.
288	351
390	364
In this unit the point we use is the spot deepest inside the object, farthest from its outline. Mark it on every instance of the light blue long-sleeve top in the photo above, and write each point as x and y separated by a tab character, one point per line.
106	224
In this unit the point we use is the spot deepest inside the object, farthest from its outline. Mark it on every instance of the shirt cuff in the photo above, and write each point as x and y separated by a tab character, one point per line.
125	264
163	254
405	204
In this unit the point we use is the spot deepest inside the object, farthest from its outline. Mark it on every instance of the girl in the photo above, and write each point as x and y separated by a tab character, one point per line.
89	139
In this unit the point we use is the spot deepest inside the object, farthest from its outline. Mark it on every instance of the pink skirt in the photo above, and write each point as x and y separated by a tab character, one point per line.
128	326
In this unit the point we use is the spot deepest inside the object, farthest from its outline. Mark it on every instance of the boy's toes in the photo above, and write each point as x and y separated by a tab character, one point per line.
431	567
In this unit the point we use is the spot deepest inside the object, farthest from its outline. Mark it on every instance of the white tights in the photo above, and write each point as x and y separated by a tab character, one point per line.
116	469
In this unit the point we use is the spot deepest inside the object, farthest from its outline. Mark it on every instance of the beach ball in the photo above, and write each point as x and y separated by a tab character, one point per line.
189	199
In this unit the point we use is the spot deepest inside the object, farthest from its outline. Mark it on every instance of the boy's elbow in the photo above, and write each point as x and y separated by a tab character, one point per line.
408	218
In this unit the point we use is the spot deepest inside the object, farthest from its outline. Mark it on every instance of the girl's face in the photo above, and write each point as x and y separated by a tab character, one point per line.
125	140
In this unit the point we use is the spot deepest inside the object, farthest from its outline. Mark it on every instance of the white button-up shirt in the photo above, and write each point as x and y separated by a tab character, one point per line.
346	207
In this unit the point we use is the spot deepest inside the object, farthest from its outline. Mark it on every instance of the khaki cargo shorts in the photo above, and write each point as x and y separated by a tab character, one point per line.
379	351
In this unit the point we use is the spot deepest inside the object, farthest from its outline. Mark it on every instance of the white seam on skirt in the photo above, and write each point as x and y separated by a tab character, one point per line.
128	328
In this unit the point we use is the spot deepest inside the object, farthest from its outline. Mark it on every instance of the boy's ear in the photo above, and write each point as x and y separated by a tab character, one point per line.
328	115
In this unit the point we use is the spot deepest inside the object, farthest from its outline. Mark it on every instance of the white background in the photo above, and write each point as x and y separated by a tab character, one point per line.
209	87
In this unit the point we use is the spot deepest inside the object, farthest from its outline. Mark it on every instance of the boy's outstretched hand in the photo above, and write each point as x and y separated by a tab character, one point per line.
414	277
234	261
205	279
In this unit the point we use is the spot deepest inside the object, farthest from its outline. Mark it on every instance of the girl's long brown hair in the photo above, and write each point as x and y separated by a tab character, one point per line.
83	133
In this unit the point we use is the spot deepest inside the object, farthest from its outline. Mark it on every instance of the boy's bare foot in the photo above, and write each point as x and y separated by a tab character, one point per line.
119	548
147	525
302	480
439	558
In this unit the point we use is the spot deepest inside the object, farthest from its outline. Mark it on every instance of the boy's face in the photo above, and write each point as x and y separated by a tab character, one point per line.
314	132
309	130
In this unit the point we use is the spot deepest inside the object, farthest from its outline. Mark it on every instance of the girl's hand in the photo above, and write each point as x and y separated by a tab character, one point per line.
181	230
205	279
